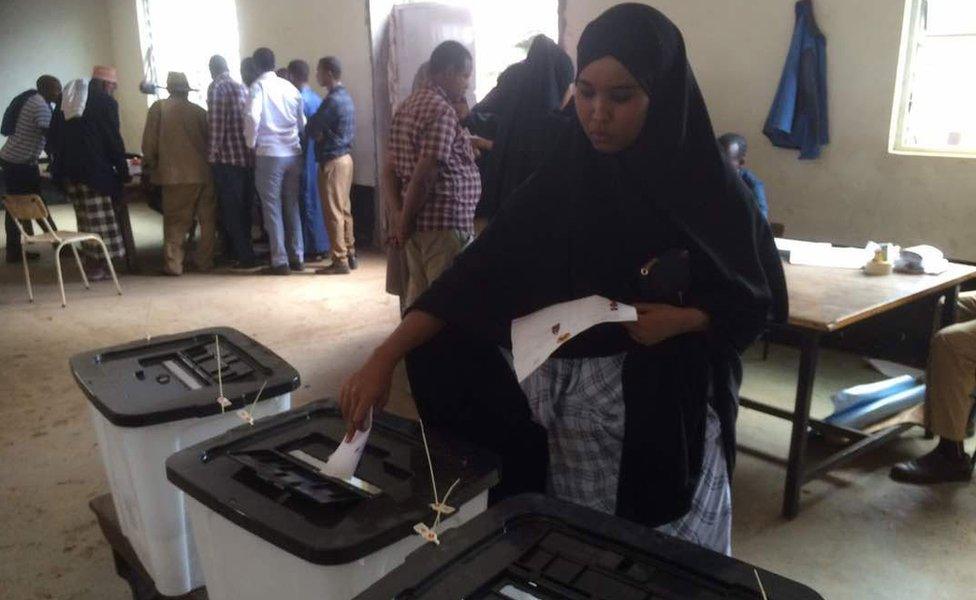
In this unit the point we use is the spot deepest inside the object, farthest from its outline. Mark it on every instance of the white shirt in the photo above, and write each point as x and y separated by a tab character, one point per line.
274	118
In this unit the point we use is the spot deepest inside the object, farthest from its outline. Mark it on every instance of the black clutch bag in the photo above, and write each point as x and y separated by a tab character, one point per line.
665	279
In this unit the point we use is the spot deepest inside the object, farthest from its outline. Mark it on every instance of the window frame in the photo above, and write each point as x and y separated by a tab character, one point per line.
911	29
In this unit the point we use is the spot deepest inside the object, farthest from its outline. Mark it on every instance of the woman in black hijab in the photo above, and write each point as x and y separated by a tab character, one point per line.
638	206
520	116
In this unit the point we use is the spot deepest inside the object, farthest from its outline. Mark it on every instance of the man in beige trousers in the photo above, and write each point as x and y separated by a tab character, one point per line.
950	381
332	128
174	148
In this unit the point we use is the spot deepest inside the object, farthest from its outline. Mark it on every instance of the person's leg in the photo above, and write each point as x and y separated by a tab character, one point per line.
416	271
232	188
332	210
206	214
344	172
178	208
268	175
966	307
441	250
950	381
19	179
290	199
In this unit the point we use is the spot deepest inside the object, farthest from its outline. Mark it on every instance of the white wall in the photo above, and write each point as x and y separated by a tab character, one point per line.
311	29
64	38
856	191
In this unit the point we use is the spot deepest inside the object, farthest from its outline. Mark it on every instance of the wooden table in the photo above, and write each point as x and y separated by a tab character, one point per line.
825	301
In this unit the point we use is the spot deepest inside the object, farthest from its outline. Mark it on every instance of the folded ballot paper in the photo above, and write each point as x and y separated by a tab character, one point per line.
536	336
343	462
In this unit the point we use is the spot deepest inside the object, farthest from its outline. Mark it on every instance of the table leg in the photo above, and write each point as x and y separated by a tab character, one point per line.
949	307
809	354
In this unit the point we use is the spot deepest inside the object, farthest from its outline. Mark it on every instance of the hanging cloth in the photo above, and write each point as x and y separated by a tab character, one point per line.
798	117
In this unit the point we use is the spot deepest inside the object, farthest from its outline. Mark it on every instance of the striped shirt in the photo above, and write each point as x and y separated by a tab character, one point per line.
427	125
24	147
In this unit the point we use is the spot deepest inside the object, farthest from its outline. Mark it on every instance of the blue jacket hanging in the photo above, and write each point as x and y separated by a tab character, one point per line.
798	117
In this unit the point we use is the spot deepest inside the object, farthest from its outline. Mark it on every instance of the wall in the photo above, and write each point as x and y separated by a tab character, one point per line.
311	29
857	191
127	58
64	38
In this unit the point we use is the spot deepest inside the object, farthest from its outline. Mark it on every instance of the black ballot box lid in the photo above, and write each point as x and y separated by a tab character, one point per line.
267	479
533	547
174	377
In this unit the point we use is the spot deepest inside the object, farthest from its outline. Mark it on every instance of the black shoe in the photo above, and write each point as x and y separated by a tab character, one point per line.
278	270
298	267
247	265
314	257
353	263
334	269
938	466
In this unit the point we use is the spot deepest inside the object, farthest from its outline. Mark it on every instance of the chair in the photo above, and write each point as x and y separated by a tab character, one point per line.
30	207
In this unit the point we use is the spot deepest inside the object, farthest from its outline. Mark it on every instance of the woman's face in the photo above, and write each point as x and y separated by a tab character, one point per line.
611	105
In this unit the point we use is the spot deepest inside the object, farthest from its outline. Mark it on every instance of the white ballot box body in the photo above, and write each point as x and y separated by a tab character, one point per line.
241	566
152	511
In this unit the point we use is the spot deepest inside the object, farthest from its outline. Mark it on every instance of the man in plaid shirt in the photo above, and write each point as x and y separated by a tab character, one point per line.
433	173
231	159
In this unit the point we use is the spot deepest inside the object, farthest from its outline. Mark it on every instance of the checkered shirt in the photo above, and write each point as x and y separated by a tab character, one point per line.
427	125
226	101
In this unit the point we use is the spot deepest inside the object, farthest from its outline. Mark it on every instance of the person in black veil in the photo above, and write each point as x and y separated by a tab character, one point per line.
520	116
636	205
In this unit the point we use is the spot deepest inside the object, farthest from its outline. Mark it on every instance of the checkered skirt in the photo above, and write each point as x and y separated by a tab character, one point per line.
580	402
95	214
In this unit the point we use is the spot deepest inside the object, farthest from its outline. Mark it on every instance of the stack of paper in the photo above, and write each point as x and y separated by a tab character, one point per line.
822	254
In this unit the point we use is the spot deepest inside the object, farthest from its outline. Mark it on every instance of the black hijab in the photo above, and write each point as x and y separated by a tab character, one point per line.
520	115
587	222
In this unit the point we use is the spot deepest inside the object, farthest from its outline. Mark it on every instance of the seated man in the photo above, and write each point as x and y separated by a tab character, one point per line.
951	379
734	148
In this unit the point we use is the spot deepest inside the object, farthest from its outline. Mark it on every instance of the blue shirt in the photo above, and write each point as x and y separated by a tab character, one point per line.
335	122
758	190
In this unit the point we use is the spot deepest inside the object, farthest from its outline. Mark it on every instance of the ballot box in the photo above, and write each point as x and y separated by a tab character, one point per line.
537	548
151	398
269	523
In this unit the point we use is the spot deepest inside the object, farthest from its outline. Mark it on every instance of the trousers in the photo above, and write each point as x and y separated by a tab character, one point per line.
278	179
951	375
182	205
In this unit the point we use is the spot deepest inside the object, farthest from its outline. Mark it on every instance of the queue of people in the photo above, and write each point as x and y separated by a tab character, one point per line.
209	164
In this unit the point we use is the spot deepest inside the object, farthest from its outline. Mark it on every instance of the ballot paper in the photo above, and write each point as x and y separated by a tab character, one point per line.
343	462
536	336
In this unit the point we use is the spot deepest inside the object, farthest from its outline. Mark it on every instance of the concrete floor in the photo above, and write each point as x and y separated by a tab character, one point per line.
859	535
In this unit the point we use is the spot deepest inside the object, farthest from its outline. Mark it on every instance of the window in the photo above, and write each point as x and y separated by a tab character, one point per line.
503	30
182	35
935	99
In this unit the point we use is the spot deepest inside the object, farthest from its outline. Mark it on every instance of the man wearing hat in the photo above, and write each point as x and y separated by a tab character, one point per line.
89	161
174	148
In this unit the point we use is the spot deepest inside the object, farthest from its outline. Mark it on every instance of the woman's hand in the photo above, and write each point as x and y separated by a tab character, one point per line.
658	322
368	388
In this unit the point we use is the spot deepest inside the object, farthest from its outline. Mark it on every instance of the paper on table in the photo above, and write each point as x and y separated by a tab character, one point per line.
535	337
842	258
343	462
